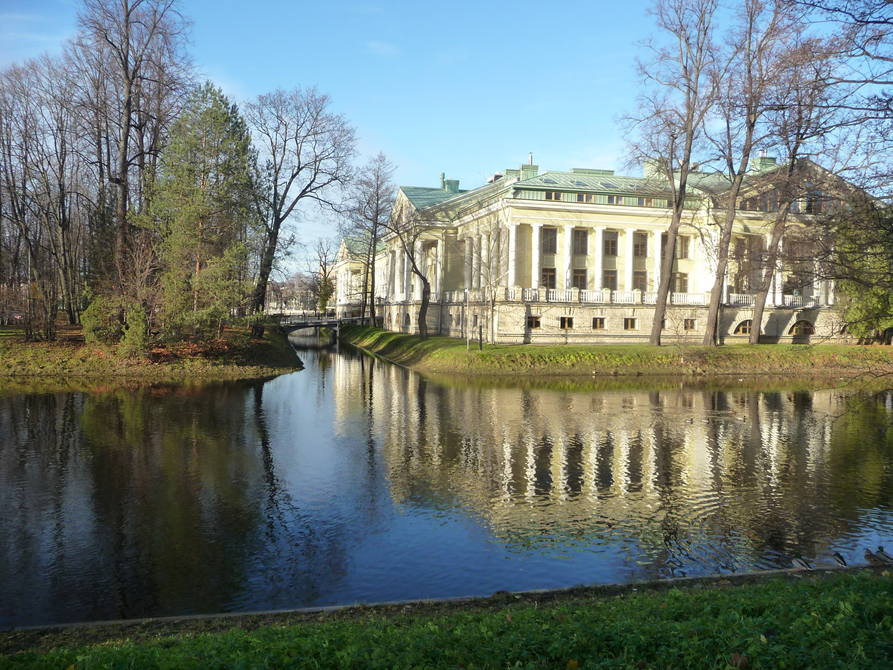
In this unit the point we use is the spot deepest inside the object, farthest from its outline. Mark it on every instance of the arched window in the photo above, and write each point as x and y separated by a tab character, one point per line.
744	327
802	328
406	319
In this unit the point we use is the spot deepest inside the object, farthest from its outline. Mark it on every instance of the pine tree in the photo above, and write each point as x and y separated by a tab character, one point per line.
203	210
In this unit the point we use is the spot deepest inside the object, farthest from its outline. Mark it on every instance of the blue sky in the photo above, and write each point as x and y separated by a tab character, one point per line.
466	88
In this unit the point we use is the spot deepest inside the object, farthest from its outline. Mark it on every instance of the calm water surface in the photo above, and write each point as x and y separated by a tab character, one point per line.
357	481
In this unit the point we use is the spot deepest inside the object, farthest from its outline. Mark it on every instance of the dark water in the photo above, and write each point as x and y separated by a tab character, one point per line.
357	481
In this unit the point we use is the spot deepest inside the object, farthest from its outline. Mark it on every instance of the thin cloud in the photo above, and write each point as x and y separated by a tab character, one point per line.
383	48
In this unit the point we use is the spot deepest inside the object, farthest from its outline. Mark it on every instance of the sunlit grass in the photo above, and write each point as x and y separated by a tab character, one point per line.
445	355
837	621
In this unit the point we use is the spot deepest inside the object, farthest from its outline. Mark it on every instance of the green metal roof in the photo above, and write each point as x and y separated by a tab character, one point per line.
421	196
599	181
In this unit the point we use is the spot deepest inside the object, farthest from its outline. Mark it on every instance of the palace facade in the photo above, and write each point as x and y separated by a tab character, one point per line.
576	257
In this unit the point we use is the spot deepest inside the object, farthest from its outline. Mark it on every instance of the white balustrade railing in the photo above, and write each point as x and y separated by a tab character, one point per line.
741	299
649	298
623	297
592	296
688	298
530	294
559	295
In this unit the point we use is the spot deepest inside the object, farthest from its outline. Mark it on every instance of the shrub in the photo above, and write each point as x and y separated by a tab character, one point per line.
135	340
102	320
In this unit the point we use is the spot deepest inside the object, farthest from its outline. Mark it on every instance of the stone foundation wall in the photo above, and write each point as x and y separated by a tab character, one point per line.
574	323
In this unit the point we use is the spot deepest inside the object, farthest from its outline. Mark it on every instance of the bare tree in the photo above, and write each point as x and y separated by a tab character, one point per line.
306	150
368	209
671	123
800	124
321	272
142	41
742	81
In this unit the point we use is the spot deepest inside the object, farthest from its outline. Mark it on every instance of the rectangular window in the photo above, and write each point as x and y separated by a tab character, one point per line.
688	324
682	243
548	278
533	322
566	322
474	321
740	247
645	202
550	240
578	280
640	281
598	323
640	245
610	243
553	195
584	197
609	279
680	282
629	324
581	242
615	199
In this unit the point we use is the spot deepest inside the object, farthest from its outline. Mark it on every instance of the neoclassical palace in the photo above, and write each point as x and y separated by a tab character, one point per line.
576	257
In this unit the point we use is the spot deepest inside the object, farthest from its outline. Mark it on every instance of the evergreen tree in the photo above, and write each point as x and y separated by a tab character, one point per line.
203	209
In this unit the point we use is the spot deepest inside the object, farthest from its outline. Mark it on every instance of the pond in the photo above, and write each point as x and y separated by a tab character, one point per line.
354	480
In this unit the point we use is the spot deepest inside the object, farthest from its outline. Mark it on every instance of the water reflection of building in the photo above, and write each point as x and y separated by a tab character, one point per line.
671	470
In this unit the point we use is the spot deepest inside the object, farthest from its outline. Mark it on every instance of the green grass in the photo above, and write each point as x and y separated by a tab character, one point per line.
450	355
69	360
832	621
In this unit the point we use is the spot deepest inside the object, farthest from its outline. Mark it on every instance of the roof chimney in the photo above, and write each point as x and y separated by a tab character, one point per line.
443	181
451	185
530	158
529	171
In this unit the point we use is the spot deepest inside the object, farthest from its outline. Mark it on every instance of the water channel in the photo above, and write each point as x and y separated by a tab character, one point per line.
354	480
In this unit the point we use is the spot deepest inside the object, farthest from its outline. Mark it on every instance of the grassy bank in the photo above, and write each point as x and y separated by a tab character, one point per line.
233	356
841	619
449	355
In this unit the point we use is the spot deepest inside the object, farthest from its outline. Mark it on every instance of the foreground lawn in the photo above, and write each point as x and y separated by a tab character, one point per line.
235	355
832	621
445	354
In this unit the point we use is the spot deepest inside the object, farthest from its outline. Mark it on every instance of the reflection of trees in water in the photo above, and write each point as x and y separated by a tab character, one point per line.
712	479
147	502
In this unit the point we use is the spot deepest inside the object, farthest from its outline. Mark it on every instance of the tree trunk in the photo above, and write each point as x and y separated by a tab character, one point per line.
121	227
423	308
722	264
759	302
372	274
259	298
666	278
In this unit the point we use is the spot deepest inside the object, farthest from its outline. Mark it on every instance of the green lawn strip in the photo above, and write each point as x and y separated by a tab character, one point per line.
241	358
444	355
839	620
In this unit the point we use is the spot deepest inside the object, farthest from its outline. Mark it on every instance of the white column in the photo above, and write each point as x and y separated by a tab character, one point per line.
488	274
628	260
476	262
778	283
513	250
438	283
817	284
420	261
468	258
404	271
656	257
599	249
535	254
568	232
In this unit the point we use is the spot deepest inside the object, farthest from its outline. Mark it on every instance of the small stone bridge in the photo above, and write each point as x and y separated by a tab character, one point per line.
291	323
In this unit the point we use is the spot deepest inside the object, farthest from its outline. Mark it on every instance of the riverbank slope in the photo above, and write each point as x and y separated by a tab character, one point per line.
449	355
233	356
833	619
